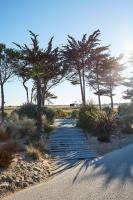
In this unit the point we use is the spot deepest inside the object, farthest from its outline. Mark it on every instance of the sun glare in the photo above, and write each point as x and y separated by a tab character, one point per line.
127	47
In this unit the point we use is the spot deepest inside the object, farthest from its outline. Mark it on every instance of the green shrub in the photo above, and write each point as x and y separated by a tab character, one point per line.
75	114
128	123
100	123
28	110
125	109
126	113
59	113
50	115
87	118
104	126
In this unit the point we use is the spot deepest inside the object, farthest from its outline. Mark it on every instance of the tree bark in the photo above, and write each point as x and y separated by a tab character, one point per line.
43	97
84	88
27	92
111	98
99	102
112	103
81	88
99	97
39	106
2	102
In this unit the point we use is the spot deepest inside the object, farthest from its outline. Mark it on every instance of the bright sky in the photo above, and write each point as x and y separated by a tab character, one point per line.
59	18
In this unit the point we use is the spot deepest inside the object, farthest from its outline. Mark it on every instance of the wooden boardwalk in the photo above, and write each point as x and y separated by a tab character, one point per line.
69	145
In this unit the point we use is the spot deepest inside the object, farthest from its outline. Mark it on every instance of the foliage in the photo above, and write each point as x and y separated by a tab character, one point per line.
43	66
104	126
126	114
111	76
50	114
28	110
77	59
6	71
125	109
99	123
87	118
60	113
128	123
95	76
41	145
27	126
128	94
75	114
46	125
18	127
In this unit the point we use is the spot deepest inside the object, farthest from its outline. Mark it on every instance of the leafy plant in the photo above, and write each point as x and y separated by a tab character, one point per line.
28	110
46	125
104	126
125	109
50	115
126	113
87	118
75	114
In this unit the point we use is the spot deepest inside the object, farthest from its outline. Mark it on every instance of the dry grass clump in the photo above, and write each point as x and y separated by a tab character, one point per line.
27	126
33	152
20	127
46	125
41	145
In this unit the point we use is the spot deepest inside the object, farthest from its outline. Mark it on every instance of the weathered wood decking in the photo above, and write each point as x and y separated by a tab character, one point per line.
69	144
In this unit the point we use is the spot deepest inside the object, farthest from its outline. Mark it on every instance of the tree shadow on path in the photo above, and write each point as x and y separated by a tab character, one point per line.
117	165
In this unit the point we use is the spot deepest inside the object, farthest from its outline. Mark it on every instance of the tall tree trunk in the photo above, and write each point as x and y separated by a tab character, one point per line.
99	97
43	100
27	92
112	103
2	102
43	97
99	102
111	97
84	88
39	106
32	93
31	98
81	88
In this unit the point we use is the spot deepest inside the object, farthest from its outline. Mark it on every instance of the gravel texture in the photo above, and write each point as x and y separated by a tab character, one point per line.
118	141
23	173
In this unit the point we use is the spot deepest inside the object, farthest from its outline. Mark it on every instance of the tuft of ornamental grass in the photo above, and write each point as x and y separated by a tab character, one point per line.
33	152
47	127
